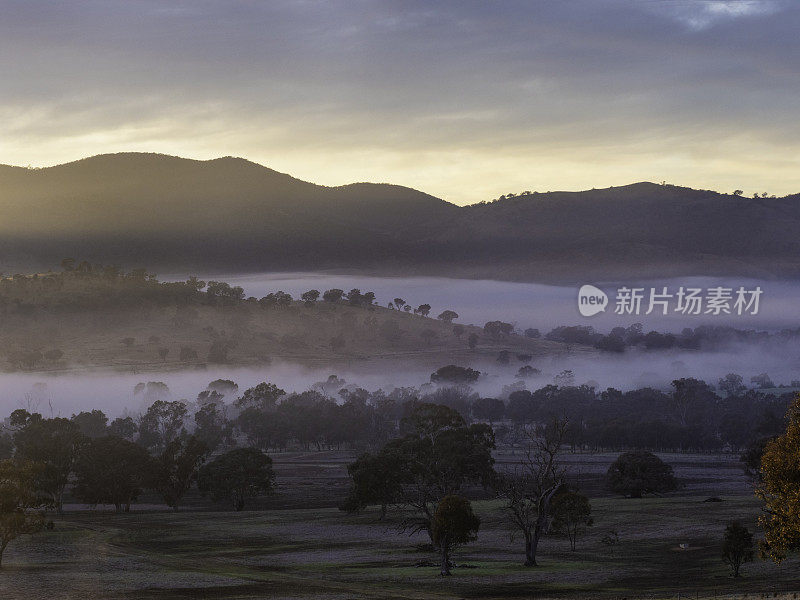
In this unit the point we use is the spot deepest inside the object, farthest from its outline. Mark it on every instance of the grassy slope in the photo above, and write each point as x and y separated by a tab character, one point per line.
92	338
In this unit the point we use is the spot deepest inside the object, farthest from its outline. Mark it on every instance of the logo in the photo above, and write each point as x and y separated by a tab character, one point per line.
591	300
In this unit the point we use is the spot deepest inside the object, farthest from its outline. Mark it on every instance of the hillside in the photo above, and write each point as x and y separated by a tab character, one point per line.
89	319
232	214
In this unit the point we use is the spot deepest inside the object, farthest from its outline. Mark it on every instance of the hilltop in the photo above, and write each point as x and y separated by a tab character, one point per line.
232	214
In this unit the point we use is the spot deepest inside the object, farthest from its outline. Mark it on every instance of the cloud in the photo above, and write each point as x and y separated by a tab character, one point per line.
466	100
701	14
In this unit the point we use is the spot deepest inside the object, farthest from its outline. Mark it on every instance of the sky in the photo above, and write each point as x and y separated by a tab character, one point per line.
463	99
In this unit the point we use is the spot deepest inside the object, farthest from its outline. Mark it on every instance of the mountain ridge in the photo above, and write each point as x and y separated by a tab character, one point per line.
231	213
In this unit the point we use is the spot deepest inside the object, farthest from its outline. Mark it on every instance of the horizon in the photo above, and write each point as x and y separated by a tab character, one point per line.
405	185
451	98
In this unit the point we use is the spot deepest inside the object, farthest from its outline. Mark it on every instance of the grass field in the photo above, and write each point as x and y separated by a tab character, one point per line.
319	552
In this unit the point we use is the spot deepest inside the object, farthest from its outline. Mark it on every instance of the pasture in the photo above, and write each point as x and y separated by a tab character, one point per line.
297	544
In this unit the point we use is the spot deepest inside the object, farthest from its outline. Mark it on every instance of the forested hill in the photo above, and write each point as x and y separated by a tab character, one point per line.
230	213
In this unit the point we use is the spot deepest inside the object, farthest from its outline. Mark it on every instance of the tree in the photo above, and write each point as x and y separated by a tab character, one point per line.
354	297
488	409
223	387
91	424
310	297
780	472
237	475
263	397
161	424
636	473
18	501
454	524
55	444
498	329
527	371
423	309
528	490
689	398
374	482
333	296
438	456
399	303
751	457
211	427
124	427
737	547
572	514
111	470
738	192
732	384
176	468
455	374
448	316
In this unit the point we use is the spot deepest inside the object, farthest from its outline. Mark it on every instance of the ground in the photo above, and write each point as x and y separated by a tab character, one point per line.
319	552
129	339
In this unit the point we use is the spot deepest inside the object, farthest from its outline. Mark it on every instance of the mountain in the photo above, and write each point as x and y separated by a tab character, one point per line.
229	213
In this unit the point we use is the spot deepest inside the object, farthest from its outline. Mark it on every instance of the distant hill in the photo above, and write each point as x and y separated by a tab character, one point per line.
83	319
230	213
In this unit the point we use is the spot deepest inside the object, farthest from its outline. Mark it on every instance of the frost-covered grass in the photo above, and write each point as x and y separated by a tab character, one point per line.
324	553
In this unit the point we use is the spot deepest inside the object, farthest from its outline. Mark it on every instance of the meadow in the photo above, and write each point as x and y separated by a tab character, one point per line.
273	551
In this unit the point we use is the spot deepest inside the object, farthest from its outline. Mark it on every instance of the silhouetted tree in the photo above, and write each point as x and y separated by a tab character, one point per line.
176	468
572	514
237	475
333	296
455	374
636	473
111	470
454	524
737	547
423	309
264	397
53	443
488	409
447	316
161	424
123	427
91	424
529	488
310	297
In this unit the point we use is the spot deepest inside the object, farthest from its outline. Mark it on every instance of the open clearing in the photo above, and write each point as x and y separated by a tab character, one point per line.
320	552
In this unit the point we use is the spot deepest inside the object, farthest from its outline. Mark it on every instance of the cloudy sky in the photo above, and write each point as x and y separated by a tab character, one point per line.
465	100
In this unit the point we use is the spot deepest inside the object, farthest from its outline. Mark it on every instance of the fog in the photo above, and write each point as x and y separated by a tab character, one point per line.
534	304
64	395
526	305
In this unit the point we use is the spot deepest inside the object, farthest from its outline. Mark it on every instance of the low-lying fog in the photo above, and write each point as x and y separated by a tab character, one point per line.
534	304
525	305
64	395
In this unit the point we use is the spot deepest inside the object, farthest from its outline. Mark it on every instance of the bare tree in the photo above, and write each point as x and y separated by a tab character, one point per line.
529	488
